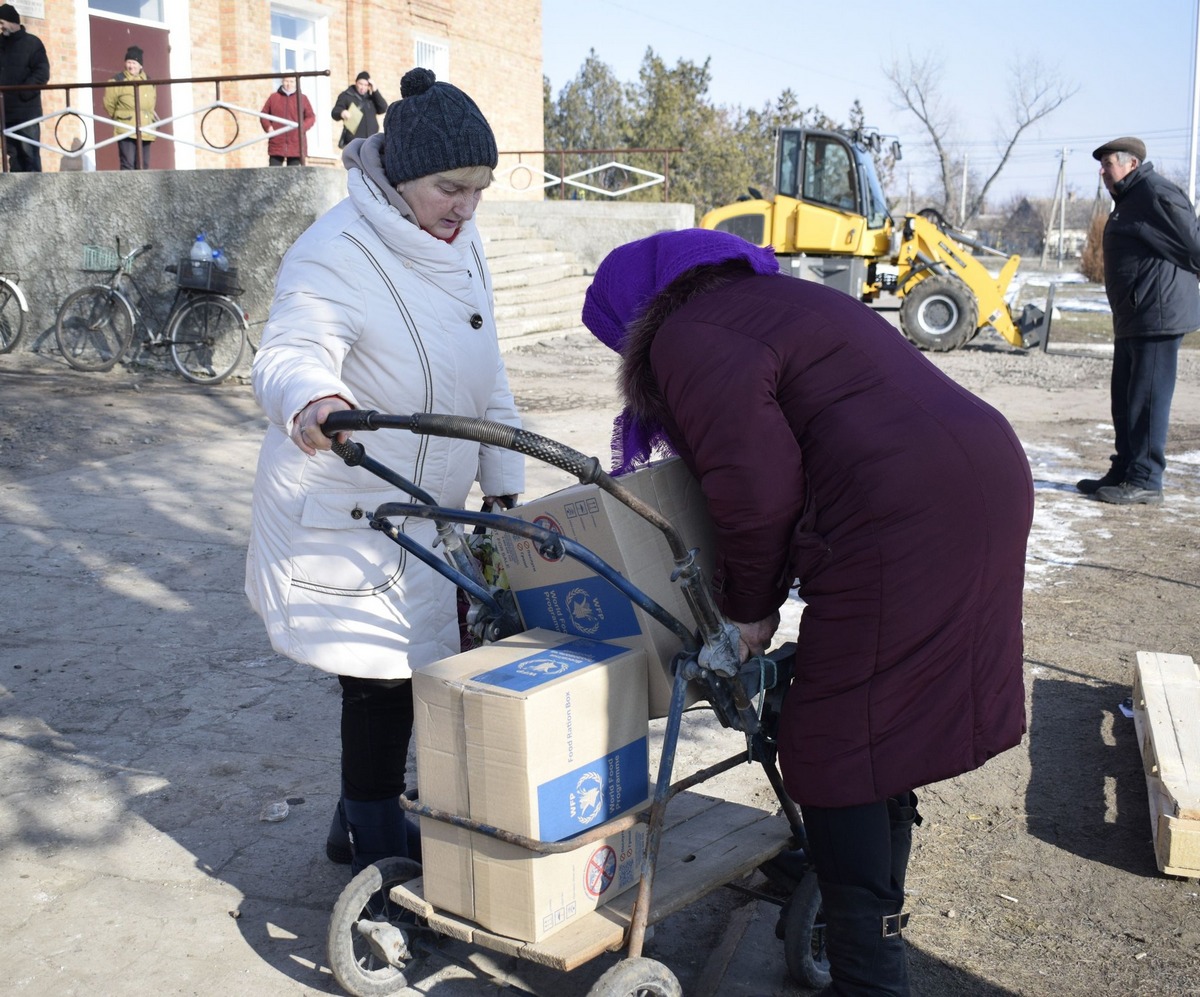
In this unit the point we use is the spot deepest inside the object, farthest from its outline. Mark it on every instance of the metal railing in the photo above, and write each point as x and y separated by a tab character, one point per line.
136	131
522	176
610	176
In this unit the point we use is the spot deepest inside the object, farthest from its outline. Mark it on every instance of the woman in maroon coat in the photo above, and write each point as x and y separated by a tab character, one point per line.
285	148
832	453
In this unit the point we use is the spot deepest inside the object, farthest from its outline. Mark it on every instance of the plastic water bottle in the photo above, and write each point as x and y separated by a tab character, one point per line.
201	250
220	260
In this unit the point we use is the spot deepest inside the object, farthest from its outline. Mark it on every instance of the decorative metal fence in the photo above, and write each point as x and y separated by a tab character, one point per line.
222	127
219	123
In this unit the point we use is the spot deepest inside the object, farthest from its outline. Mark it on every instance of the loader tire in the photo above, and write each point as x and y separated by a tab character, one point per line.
939	313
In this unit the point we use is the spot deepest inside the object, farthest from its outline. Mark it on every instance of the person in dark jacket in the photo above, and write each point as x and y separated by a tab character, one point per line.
363	100
286	148
832	452
1151	262
23	62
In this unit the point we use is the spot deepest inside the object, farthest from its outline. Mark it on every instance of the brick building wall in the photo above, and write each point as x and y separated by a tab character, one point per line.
494	54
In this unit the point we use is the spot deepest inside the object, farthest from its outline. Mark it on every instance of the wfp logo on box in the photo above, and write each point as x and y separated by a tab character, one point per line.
587	798
548	664
594	792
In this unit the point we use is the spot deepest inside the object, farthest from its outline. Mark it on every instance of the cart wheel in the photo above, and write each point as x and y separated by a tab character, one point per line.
804	936
637	978
360	964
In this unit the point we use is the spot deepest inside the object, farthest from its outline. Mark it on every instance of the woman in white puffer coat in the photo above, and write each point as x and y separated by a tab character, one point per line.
384	303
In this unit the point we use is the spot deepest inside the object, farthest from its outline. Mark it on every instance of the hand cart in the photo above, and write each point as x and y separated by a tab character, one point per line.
696	846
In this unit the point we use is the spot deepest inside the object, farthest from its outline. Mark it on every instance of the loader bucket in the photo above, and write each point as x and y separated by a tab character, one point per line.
1034	323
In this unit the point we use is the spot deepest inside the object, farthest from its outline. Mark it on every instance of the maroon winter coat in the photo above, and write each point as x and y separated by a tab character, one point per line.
281	105
830	450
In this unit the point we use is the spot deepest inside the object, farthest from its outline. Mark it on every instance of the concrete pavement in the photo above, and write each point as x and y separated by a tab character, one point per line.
145	724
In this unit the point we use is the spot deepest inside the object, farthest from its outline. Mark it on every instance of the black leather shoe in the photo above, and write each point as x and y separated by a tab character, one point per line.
1089	486
1127	494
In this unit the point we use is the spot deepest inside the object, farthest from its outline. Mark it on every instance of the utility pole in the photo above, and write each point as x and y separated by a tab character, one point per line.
1062	206
1195	111
962	206
1058	186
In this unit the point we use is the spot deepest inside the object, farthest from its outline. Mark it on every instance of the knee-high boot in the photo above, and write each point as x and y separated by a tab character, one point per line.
864	941
902	815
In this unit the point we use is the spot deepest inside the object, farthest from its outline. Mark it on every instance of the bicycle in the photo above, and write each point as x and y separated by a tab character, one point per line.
13	309
205	329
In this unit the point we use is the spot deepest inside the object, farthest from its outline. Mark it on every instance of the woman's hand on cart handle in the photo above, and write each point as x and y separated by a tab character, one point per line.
755	638
307	433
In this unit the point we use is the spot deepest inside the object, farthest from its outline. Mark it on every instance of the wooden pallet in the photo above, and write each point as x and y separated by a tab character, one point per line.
1166	715
706	843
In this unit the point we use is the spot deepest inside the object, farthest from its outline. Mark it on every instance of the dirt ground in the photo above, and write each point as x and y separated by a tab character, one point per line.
1034	875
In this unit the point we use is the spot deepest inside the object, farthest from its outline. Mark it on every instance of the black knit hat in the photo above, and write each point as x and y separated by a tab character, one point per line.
9	13
134	53
364	75
434	127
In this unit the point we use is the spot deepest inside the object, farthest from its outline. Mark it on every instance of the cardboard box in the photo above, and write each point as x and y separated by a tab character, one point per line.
542	734
568	596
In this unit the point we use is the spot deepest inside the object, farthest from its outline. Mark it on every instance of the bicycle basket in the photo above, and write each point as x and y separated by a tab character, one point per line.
102	259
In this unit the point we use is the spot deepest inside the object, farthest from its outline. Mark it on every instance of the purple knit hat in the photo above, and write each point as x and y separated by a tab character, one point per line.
626	281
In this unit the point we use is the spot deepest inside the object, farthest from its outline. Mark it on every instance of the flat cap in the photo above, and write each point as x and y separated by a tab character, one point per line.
1127	143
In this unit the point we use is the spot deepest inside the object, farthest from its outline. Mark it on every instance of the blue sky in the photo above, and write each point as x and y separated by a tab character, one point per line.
1131	60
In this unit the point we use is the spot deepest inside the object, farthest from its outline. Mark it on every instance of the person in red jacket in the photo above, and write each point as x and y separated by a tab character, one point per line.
832	453
287	146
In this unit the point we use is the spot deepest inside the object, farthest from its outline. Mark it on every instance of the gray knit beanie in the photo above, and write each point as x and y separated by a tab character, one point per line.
434	127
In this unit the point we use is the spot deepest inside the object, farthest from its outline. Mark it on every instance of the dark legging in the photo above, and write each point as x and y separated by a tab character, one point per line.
377	723
851	845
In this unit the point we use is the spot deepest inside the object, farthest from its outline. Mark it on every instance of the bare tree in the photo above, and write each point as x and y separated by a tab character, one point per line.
1034	92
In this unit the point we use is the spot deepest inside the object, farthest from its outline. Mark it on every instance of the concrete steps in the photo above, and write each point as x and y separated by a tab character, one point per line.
538	289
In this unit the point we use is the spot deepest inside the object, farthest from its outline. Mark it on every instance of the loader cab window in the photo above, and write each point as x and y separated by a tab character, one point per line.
830	176
789	164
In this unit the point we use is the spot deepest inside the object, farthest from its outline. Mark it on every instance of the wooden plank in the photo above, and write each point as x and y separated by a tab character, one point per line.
712	842
1170	694
1166	705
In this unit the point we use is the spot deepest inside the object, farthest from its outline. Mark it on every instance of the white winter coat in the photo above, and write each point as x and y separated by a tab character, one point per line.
370	307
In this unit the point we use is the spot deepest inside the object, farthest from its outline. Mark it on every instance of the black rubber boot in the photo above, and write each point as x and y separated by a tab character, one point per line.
864	941
377	831
337	843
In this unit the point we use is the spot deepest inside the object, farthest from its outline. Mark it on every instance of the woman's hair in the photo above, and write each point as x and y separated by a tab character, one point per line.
469	176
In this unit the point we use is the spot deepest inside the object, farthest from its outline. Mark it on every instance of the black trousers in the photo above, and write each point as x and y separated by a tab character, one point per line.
285	160
377	723
23	157
127	150
1143	384
851	846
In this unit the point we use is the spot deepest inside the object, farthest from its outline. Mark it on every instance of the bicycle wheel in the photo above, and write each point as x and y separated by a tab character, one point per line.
208	338
94	328
12	318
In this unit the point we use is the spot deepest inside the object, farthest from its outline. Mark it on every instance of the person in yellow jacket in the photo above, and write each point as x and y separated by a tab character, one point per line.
119	104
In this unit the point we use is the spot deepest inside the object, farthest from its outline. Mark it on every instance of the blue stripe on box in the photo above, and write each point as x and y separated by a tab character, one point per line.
545	666
590	607
593	793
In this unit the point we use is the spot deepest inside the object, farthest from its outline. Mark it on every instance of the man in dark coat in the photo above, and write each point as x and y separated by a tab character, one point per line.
23	62
361	100
1151	259
832	452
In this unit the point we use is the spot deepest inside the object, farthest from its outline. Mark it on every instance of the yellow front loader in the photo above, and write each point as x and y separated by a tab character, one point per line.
829	222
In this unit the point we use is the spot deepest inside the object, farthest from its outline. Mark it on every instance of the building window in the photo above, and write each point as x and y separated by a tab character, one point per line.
433	55
300	43
145	10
